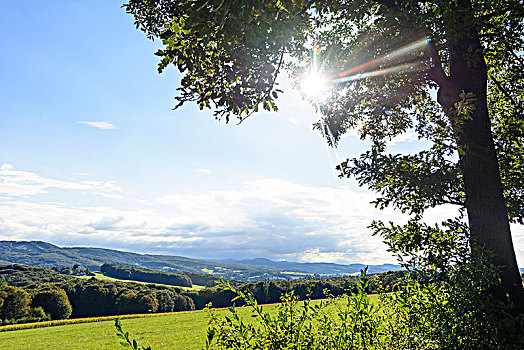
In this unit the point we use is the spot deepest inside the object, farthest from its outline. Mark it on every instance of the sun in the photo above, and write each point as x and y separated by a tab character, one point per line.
314	84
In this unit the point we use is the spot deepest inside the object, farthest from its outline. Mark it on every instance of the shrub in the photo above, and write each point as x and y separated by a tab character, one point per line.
357	324
39	314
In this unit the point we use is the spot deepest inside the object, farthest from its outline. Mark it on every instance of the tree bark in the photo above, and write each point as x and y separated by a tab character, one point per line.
485	203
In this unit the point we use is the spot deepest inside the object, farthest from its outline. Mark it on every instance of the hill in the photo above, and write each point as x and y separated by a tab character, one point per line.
38	253
315	268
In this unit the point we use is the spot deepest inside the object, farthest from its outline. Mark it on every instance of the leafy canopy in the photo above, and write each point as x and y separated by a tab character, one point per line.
231	51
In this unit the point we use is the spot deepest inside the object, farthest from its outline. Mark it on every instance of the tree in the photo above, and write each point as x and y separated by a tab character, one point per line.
132	302
231	53
165	300
14	303
54	302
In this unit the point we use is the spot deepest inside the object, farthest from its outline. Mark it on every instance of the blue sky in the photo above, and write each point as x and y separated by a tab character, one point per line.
92	153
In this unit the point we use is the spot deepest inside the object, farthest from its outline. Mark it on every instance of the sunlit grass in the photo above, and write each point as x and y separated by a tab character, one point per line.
177	331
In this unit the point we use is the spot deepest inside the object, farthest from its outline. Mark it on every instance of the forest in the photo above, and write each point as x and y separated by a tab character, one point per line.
42	294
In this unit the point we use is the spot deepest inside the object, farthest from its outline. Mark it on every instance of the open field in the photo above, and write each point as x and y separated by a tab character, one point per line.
182	330
177	331
101	276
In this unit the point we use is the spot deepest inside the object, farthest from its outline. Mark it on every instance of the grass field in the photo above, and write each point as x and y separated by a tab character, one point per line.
177	331
183	330
101	276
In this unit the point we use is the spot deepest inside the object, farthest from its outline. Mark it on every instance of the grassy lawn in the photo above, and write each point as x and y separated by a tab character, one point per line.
101	276
178	331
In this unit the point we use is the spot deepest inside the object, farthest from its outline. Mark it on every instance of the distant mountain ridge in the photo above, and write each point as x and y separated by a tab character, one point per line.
44	254
314	268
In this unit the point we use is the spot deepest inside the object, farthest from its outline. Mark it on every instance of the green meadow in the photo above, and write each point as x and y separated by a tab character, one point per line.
176	331
182	330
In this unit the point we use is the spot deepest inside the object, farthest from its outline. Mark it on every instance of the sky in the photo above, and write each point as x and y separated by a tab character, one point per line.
93	154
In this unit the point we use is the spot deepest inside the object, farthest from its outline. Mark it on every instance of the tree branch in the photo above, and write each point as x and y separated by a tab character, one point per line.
270	87
505	92
436	72
450	201
501	37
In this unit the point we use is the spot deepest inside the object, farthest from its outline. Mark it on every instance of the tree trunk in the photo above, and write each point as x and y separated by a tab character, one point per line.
485	203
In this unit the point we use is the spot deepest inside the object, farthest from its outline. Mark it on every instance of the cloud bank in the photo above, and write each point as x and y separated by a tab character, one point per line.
269	218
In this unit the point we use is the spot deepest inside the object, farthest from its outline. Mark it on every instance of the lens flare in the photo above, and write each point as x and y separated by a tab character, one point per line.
314	84
411	67
405	50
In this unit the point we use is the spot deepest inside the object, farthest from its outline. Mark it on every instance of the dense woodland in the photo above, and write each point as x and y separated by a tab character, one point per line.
146	275
44	294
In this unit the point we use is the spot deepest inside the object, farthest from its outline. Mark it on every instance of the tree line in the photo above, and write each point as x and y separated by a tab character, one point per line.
86	298
142	274
76	297
146	275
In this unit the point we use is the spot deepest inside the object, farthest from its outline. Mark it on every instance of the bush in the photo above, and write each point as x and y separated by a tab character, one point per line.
357	324
428	311
39	314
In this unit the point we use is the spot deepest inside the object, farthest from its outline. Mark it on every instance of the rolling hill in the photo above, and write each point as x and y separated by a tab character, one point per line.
38	253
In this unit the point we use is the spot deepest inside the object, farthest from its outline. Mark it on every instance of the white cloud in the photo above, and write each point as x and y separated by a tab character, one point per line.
315	255
104	189
408	136
274	217
265	218
99	125
203	171
7	166
18	183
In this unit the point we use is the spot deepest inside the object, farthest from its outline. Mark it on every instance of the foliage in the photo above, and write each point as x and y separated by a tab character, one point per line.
135	303
183	303
426	313
38	314
99	298
165	300
230	53
15	307
300	327
54	302
454	312
91	298
445	299
271	292
146	275
95	298
22	275
14	303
